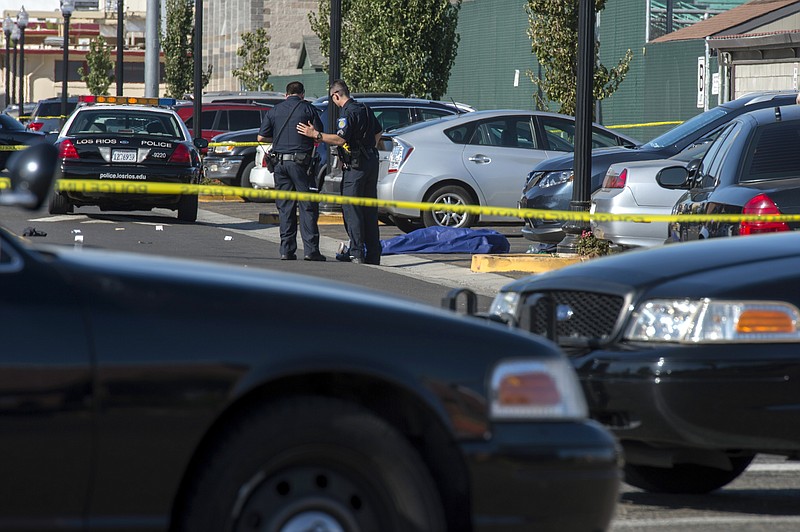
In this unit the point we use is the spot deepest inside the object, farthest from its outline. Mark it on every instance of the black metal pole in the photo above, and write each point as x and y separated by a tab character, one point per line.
65	70
14	76
582	180
120	45
198	69
334	67
21	73
8	68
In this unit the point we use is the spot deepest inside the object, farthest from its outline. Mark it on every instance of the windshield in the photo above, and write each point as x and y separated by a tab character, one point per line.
115	121
687	129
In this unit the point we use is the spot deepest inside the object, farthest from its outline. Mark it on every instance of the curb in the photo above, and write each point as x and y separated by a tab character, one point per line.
523	262
233	199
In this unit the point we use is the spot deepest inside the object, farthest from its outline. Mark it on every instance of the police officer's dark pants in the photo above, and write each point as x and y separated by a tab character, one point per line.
362	222
292	176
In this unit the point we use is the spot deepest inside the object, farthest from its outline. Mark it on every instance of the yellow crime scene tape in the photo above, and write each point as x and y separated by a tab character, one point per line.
125	187
13	147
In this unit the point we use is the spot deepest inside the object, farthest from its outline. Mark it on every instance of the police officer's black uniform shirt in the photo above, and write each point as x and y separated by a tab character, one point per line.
290	141
357	125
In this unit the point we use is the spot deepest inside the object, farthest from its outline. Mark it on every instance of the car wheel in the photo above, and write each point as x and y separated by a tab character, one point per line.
59	204
187	208
684	478
406	225
311	460
449	195
244	182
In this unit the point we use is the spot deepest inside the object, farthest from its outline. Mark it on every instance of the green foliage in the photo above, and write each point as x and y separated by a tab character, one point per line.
100	67
178	46
254	51
590	246
405	46
554	40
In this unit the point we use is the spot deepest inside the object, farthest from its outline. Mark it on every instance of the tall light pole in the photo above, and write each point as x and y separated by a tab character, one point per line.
14	41
120	42
8	24
67	7
22	22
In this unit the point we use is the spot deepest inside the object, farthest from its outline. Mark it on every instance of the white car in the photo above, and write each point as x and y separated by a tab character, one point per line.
260	176
631	188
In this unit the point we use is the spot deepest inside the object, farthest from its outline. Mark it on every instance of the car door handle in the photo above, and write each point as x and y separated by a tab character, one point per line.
480	159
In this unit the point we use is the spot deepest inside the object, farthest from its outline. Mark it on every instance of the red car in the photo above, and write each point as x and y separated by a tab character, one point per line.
221	117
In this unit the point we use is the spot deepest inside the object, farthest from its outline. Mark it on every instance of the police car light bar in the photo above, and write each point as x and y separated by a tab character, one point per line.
126	100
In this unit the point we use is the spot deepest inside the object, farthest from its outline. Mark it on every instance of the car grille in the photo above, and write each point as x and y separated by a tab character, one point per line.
579	317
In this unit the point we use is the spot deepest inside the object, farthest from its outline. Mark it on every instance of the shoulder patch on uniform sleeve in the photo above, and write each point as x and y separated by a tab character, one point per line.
342	123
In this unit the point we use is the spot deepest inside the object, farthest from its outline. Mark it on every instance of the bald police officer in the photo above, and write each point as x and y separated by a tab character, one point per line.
358	133
294	153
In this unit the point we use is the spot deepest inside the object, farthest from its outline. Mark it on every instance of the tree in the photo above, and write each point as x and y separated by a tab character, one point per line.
100	67
405	46
254	51
554	40
178	46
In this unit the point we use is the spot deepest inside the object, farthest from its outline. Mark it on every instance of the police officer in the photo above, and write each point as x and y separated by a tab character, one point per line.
358	133
293	153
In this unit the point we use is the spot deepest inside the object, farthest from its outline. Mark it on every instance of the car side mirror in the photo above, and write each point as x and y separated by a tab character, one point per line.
693	165
673	177
31	172
200	143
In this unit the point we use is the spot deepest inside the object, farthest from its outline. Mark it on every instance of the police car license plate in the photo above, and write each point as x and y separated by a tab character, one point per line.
123	156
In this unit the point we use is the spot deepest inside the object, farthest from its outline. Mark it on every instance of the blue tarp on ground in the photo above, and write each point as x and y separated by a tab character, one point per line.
447	240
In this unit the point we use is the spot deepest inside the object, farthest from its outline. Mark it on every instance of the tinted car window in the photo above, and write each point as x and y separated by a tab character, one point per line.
430	114
207	118
241	119
390	118
773	154
708	172
460	134
559	134
102	120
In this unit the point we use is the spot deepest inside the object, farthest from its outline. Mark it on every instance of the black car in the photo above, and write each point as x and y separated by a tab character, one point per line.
139	143
751	169
122	410
688	353
13	134
231	163
549	184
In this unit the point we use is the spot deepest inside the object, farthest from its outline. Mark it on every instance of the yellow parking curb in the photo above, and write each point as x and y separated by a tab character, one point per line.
521	262
324	219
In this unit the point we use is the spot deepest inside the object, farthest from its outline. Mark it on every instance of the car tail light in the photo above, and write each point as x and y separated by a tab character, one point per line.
761	204
34	126
400	153
613	180
67	150
181	155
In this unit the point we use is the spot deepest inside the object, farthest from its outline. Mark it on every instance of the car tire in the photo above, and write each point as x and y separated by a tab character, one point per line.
406	225
244	182
684	478
449	195
321	457
187	208
59	204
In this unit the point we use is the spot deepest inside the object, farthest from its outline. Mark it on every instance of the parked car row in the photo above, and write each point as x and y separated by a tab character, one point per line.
743	157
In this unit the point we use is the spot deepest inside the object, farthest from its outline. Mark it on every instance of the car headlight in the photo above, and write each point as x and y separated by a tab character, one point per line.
535	389
224	149
707	321
505	305
552	179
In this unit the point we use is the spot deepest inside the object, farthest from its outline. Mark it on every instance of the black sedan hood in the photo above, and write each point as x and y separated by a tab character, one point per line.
650	267
601	157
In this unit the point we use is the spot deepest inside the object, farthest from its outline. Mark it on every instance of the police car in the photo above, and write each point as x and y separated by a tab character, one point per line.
137	140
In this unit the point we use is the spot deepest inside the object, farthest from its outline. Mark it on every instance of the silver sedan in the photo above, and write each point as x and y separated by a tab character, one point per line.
480	158
631	189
